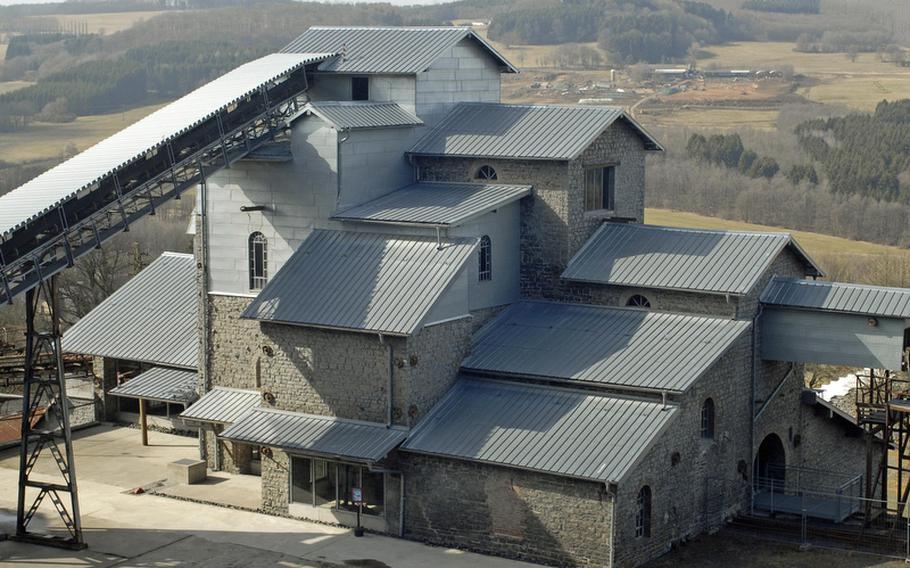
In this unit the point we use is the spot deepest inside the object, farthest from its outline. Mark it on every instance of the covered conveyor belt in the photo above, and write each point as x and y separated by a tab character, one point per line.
69	210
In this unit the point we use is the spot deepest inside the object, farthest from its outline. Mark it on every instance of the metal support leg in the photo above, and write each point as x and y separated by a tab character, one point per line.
45	424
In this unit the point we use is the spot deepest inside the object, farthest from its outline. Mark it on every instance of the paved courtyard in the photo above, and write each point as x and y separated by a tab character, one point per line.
128	530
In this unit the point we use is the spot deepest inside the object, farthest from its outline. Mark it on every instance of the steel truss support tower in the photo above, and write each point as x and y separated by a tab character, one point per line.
44	389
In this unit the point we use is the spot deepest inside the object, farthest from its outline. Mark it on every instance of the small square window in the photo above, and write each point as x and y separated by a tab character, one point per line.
600	188
360	88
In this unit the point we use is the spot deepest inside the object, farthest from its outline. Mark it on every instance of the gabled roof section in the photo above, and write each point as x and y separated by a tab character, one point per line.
161	384
393	50
649	256
436	203
550	430
151	318
316	435
602	346
531	132
359	115
222	405
361	281
838	297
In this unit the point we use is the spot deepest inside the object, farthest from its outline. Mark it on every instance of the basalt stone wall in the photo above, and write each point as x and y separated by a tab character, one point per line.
554	224
696	482
507	512
336	373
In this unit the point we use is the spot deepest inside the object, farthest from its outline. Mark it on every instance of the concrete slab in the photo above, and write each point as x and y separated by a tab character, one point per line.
241	491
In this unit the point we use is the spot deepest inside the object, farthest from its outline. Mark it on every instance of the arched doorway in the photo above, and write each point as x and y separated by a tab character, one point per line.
769	469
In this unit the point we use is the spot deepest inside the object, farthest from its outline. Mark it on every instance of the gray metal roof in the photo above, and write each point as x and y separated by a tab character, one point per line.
394	50
433	203
648	256
838	297
162	384
552	430
222	405
361	281
540	132
611	346
319	435
151	318
356	115
63	182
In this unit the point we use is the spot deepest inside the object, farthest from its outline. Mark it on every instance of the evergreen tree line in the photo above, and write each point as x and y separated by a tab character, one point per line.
630	31
785	6
727	150
863	154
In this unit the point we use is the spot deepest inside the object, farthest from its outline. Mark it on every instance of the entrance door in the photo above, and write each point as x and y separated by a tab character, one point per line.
770	467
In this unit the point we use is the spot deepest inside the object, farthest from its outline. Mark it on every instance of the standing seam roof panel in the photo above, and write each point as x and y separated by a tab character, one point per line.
162	384
151	318
838	297
544	132
435	203
363	281
720	262
222	405
393	50
321	435
618	346
352	115
558	431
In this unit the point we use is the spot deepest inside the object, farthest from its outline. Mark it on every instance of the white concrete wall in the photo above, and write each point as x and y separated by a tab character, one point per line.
465	74
503	228
453	303
394	88
373	163
300	195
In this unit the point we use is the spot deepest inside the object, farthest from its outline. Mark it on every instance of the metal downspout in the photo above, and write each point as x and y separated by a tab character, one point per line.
752	412
401	507
391	382
204	301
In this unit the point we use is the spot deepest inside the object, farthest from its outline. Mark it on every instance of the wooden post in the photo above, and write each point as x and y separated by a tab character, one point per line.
143	422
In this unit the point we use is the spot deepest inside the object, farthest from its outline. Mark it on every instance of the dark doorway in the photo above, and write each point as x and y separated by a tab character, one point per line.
770	468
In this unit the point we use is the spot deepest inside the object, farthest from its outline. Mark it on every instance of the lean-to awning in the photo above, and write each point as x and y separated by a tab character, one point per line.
160	384
316	435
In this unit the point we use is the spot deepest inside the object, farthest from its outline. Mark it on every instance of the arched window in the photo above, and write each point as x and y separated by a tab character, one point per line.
643	517
486	172
707	419
485	259
638	301
259	261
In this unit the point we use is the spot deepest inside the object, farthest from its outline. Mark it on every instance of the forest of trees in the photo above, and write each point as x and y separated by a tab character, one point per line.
863	154
785	6
160	59
647	30
727	150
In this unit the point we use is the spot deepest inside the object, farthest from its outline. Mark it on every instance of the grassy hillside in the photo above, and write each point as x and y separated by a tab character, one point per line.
104	23
841	259
46	140
814	243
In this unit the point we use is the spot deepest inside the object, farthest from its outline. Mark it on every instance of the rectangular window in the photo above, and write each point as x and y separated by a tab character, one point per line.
600	188
360	88
301	481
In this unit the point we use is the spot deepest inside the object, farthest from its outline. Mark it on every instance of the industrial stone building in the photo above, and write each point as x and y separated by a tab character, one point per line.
453	304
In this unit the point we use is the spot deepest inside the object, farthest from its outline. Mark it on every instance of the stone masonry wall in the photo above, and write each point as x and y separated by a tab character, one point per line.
661	300
335	373
507	512
695	482
554	223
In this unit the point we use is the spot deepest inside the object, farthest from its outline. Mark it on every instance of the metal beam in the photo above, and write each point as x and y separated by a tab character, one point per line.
44	389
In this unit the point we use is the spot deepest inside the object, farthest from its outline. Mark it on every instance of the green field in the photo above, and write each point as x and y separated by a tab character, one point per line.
860	92
773	54
46	140
762	119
